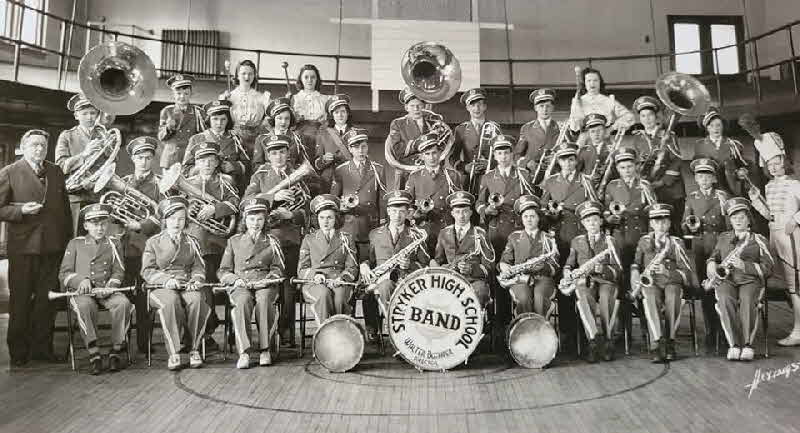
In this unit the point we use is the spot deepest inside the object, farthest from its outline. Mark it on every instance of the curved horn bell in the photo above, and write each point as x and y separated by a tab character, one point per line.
683	93
431	71
118	78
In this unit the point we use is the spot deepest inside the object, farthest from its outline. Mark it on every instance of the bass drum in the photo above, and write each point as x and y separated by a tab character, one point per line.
435	319
339	343
532	341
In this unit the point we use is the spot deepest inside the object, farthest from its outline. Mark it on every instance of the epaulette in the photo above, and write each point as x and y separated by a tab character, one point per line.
377	163
344	164
449	227
720	194
522	169
644	182
79	238
480	230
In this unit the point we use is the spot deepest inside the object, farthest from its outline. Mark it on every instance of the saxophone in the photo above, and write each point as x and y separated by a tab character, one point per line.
646	279
384	271
726	267
568	285
508	278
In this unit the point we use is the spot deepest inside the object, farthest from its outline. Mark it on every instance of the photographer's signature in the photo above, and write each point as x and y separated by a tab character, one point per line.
764	376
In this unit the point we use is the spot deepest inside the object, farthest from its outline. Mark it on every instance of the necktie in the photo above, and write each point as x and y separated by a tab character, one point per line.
395	234
592	241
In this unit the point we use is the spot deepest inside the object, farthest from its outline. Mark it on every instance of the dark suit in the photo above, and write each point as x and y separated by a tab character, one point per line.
35	247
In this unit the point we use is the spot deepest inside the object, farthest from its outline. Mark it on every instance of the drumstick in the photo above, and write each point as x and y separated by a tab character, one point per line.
285	66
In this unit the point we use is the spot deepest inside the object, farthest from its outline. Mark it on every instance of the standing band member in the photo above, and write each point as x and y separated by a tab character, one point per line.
464	156
91	265
703	221
593	154
747	262
594	101
328	257
332	150
464	247
537	138
430	186
178	122
660	272
385	242
532	291
726	152
33	203
251	259
283	121
75	146
172	259
308	103
783	214
402	132
248	106
598	289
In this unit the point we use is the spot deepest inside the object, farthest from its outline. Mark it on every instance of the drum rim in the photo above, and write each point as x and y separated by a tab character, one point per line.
395	293
514	324
338	317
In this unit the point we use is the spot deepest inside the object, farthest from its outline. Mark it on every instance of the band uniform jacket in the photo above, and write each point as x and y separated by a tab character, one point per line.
335	259
677	264
368	183
634	220
423	184
287	231
709	210
99	261
226	205
449	250
251	260
570	193
190	122
535	140
402	131
581	251
665	179
592	159
758	261
521	247
511	187
230	150
69	146
50	229
163	260
725	158
329	140
382	248
300	150
133	241
466	141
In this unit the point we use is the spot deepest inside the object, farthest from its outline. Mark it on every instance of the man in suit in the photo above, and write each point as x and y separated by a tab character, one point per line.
387	241
34	203
178	122
328	257
538	137
464	155
75	145
402	132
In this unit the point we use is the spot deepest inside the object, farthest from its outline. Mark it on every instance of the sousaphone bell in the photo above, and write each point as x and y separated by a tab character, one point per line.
118	78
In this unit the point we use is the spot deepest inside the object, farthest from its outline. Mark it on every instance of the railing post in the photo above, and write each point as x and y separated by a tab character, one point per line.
336	82
716	76
792	62
62	41
18	44
258	68
511	89
757	71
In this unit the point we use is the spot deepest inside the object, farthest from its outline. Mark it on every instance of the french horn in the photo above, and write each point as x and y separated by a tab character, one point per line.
172	178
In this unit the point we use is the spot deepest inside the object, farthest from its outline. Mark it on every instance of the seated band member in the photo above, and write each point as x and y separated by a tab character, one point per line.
537	138
403	131
783	213
232	155
332	150
172	259
91	265
385	242
597	289
328	257
432	184
464	155
509	183
660	272
465	247
533	290
178	122
744	257
251	259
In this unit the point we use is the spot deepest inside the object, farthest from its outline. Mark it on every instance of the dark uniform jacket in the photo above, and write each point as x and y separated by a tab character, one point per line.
758	261
401	132
48	231
329	140
230	150
466	142
190	122
335	259
367	182
580	252
534	141
521	247
422	184
511	187
382	248
134	241
163	260
98	260
709	209
665	178
286	231
570	193
724	158
226	206
251	260
449	250
634	220
677	264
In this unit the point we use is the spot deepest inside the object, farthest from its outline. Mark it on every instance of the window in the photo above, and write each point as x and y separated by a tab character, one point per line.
31	21
692	33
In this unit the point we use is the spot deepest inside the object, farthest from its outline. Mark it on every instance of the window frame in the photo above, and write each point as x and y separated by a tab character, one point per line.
705	22
11	28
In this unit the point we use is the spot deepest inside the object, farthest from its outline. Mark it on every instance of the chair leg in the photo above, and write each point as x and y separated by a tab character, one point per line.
302	329
693	326
225	330
765	321
70	343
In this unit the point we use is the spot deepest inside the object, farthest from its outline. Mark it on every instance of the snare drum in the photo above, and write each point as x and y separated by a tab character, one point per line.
532	341
339	343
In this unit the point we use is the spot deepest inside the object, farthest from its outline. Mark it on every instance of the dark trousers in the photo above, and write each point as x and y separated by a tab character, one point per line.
212	266
291	254
133	266
369	302
30	324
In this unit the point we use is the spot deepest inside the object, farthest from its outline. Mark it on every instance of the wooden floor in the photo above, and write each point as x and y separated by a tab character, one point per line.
631	394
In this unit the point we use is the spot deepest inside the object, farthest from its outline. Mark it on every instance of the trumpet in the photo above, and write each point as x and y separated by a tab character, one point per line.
693	223
617	208
128	204
425	205
96	291
350	201
198	198
554	207
496	199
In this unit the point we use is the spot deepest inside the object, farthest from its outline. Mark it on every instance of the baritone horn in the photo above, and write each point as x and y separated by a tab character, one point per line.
129	204
172	178
84	176
118	78
294	182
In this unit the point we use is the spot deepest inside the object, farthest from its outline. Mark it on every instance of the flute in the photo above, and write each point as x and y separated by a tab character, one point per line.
254	285
328	282
53	295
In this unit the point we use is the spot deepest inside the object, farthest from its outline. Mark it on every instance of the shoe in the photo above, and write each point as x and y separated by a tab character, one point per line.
174	362
591	353
600	347
660	353
734	353
211	344
791	340
747	353
610	349
195	361
97	365
372	335
19	362
265	358
243	362
114	362
671	355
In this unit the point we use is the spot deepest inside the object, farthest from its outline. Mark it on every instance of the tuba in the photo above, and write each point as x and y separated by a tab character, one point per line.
129	204
172	178
118	78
